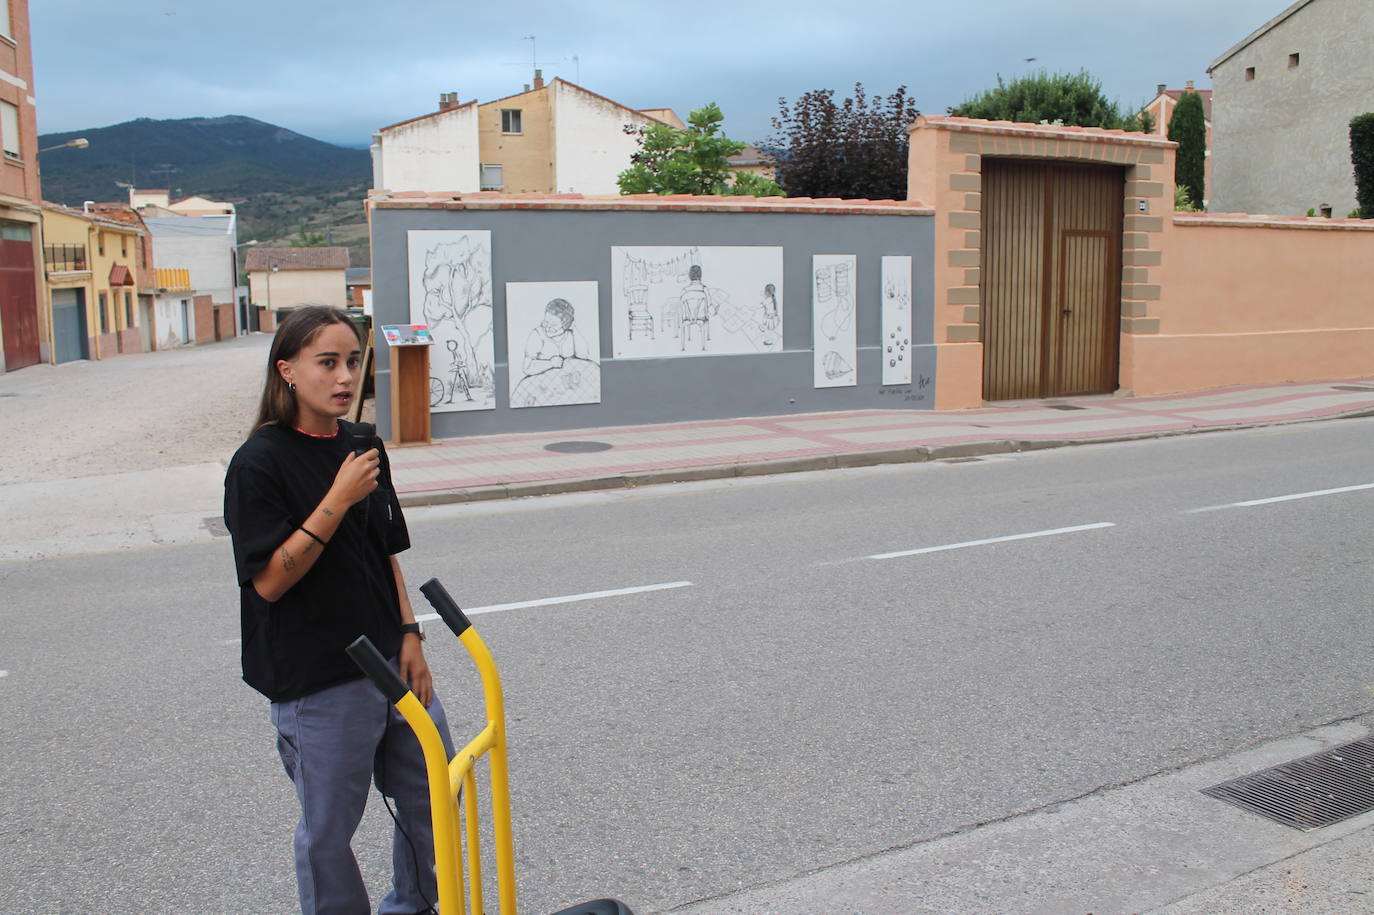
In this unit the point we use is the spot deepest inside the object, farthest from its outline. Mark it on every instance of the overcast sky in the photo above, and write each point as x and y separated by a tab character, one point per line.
340	70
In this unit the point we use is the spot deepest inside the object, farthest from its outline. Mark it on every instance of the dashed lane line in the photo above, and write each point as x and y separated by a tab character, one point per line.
1289	498
1053	532
566	599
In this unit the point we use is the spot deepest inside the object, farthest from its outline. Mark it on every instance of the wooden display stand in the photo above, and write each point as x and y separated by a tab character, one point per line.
410	391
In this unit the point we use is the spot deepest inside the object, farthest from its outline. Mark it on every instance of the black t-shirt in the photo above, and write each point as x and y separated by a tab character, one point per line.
295	646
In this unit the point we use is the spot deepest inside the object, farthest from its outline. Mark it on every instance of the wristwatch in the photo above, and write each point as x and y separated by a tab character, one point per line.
415	628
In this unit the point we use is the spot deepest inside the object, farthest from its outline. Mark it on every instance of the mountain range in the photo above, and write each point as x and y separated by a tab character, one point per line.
280	181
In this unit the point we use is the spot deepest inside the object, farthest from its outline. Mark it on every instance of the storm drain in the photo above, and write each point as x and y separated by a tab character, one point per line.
1065	406
962	460
578	447
1311	792
1349	387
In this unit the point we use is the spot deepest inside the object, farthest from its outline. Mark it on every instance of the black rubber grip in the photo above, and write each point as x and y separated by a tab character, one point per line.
370	660
448	609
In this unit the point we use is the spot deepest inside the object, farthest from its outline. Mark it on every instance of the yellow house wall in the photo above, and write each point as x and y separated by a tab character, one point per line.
64	229
106	343
526	158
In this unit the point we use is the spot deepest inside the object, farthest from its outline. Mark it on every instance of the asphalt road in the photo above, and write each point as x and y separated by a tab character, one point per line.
798	705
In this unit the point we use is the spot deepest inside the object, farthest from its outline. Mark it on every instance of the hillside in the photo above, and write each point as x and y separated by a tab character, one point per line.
278	179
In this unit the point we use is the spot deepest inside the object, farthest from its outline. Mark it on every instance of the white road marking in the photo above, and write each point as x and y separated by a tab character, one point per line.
1291	498
959	546
565	599
4	673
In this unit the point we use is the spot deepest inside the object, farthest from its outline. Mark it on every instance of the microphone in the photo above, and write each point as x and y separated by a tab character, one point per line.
363	436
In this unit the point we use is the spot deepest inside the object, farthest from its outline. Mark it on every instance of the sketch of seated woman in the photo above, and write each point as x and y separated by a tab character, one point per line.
557	366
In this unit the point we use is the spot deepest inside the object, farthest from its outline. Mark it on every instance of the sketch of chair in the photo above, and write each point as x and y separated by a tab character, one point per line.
640	319
695	305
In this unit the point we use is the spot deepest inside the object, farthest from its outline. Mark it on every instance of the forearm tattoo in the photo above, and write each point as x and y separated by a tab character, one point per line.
327	511
309	545
287	562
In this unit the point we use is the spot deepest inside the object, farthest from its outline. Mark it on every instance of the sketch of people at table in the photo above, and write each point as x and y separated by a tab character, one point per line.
558	366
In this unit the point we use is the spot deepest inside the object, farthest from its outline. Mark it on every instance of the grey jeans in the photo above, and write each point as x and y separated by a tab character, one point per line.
334	743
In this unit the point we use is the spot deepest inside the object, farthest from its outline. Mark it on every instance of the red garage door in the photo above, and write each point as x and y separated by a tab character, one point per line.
18	298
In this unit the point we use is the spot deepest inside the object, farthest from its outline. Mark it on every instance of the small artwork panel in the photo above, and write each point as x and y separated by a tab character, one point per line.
834	333
896	348
450	290
553	343
679	300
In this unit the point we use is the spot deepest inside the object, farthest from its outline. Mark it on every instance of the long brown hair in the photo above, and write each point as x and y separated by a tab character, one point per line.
294	333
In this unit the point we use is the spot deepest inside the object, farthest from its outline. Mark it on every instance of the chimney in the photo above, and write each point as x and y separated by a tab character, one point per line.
539	79
1161	88
527	87
1190	85
448	100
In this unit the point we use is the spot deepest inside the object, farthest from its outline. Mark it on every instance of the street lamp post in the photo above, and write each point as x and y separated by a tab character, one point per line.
245	324
78	143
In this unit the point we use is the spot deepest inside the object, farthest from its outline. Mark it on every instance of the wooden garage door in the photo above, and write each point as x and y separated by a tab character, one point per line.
1051	278
18	296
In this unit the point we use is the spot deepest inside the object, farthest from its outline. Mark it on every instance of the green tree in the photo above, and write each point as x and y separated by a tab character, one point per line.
1066	98
754	185
1362	158
691	161
1188	128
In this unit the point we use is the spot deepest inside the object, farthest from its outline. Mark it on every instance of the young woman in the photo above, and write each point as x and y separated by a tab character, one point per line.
316	531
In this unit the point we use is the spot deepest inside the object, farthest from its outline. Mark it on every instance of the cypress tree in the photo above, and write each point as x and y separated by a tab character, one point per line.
1188	128
1362	157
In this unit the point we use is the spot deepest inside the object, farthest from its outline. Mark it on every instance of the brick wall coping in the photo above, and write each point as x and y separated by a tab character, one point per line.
1039	131
1265	221
491	200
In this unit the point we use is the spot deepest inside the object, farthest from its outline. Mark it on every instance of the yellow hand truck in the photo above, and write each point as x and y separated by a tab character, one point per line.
450	780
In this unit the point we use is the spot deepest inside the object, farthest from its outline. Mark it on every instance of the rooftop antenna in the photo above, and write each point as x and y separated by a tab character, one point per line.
534	58
577	65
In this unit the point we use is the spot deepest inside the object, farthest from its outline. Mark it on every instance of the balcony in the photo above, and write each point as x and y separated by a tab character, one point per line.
65	258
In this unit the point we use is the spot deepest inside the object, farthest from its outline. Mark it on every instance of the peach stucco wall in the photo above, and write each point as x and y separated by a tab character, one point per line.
1247	300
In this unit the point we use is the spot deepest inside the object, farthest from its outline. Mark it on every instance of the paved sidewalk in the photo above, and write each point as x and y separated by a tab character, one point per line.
523	464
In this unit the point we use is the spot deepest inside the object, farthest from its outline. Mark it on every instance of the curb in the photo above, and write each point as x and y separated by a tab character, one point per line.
908	455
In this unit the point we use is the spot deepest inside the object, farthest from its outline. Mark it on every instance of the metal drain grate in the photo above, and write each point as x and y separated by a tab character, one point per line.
962	460
1350	387
1311	792
578	447
1065	406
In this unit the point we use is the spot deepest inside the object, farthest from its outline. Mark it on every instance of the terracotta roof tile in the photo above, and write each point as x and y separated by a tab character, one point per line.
321	258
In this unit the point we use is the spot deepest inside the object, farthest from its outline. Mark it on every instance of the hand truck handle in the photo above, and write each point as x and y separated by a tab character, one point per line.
448	609
367	657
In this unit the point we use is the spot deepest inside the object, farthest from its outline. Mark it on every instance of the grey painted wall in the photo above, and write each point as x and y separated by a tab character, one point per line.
1281	142
546	245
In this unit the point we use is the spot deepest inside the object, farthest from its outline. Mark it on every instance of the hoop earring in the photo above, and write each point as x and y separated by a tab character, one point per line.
292	386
